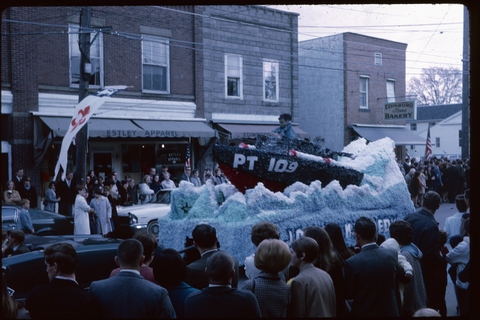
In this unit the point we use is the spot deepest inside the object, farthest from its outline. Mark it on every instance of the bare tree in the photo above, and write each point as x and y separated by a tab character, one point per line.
436	86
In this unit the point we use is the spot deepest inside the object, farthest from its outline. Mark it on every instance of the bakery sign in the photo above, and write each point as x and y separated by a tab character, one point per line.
405	110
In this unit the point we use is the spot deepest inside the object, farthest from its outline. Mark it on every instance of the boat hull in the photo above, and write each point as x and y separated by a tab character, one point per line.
245	168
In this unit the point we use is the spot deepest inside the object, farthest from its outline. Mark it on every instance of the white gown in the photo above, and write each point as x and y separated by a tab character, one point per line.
81	222
103	210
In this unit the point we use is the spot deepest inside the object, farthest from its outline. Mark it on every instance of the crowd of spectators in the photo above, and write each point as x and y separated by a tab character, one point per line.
447	177
316	276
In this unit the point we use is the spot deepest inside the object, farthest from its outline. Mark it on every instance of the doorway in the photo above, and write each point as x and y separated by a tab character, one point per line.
102	163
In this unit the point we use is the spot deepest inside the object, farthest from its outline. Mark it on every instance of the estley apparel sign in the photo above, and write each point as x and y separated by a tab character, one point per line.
141	134
405	110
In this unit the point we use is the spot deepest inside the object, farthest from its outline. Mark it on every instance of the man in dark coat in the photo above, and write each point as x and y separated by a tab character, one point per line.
220	300
16	243
128	295
453	179
425	237
18	179
27	191
205	240
370	275
67	193
62	297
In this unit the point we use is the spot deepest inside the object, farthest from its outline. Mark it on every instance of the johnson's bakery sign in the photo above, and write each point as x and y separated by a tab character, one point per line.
142	133
405	110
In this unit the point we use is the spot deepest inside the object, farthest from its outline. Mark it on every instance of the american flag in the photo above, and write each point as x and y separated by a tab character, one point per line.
428	147
187	156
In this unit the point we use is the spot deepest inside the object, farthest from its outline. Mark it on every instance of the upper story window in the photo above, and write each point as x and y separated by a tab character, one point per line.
364	92
413	126
378	59
155	64
437	142
270	80
95	67
233	76
390	90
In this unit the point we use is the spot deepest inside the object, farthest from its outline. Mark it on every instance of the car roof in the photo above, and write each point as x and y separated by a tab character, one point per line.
36	213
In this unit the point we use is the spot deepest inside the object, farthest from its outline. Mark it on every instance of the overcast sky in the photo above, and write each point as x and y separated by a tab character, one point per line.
434	33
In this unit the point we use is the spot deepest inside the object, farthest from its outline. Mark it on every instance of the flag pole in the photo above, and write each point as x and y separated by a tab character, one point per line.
428	145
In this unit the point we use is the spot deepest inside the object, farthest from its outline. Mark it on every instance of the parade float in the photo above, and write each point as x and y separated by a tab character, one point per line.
293	189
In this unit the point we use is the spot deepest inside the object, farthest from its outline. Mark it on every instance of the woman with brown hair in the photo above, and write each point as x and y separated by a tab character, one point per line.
328	261
273	294
10	195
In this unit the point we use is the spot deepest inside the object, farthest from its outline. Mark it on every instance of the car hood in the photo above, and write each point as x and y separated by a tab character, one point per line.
143	209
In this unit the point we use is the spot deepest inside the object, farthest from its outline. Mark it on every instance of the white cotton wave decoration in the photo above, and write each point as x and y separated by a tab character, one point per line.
382	195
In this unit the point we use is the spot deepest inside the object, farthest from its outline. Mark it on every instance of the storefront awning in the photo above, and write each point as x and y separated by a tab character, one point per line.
250	131
125	128
399	134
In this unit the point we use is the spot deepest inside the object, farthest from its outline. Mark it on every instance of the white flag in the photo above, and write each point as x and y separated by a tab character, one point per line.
83	111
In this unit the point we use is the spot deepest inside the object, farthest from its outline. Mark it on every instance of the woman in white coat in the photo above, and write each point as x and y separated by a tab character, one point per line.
103	209
81	221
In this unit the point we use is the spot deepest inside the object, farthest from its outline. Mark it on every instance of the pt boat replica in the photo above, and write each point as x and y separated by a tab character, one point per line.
278	163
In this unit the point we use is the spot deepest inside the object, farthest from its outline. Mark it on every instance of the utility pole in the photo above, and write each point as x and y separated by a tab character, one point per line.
82	135
466	86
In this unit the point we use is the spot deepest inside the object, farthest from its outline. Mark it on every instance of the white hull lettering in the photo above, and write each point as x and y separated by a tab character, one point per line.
240	159
275	165
282	165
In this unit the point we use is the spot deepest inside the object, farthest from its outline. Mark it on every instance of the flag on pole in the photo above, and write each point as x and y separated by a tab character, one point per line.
187	156
82	113
428	147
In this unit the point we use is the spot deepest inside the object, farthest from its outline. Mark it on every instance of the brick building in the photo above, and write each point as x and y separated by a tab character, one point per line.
194	73
250	69
344	82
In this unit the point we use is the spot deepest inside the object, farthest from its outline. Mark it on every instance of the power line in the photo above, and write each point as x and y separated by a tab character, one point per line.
185	44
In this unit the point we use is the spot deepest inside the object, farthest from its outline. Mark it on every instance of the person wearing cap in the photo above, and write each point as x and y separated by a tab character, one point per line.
27	191
285	130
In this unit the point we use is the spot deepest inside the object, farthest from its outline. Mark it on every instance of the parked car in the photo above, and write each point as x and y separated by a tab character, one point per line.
25	271
96	260
44	222
143	217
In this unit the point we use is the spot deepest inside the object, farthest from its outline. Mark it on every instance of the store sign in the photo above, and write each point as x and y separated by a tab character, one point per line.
394	111
141	134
